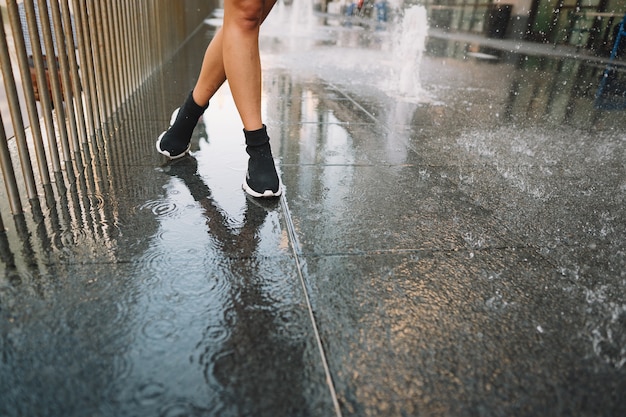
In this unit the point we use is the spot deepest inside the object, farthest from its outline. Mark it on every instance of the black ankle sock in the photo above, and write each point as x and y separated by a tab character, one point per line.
177	138
261	169
256	137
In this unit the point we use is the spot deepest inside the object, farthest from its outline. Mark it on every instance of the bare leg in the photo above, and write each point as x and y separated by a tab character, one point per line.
242	67
213	73
242	63
233	54
242	20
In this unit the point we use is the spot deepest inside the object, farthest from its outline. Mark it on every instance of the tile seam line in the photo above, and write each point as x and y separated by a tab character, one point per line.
363	109
370	115
297	253
377	252
373	117
372	252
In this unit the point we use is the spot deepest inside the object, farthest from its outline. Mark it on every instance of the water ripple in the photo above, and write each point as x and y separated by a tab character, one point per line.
151	281
215	369
293	323
160	208
160	329
122	367
74	238
96	201
196	286
177	410
216	334
159	260
149	393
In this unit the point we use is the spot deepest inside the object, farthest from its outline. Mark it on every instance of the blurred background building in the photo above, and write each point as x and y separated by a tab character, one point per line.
589	24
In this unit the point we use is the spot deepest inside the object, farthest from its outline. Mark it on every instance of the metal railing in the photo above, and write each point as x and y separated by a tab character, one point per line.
68	66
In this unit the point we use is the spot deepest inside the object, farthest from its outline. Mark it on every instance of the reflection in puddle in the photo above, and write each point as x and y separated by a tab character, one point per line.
139	289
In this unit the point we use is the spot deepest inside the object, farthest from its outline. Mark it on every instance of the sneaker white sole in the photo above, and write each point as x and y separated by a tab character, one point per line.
158	142
266	193
166	153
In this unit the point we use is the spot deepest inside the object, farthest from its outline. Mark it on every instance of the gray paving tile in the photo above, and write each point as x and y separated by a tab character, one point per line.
352	209
492	332
229	337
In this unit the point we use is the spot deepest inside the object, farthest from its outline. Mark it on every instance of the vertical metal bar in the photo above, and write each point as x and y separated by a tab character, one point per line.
116	49
109	53
126	29
160	32
161	40
113	60
82	68
118	31
86	154
8	173
27	87
146	41
131	51
74	76
122	66
64	70
114	73
174	39
16	116
95	80
42	83
138	10
105	87
134	50
53	67
104	84
95	26
87	64
129	44
174	22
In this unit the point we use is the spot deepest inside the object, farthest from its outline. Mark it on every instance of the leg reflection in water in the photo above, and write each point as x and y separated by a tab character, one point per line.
264	362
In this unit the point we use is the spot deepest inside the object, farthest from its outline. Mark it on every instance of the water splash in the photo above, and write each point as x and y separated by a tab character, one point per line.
295	17
409	39
302	19
358	58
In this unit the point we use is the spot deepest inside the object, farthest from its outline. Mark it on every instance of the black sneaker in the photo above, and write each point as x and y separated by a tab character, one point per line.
175	142
261	178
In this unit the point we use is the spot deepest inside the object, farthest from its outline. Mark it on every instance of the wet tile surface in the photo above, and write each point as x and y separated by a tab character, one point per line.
457	334
462	252
162	296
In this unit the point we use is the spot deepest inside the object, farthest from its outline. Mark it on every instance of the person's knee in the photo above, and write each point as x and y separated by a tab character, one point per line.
247	14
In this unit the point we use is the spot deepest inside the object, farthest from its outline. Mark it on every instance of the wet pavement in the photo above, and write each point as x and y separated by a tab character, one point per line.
459	252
